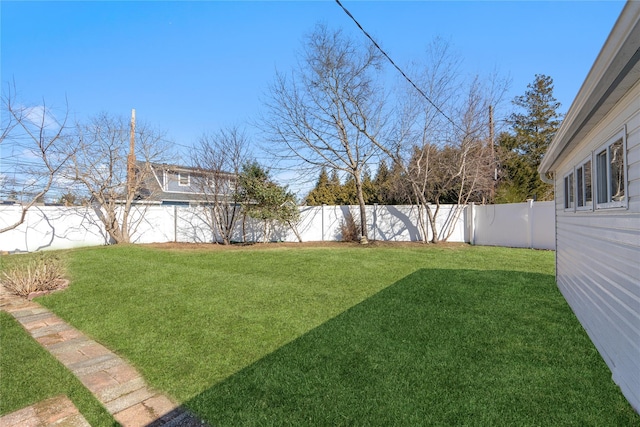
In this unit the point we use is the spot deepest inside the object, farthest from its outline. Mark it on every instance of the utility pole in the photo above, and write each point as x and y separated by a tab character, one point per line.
131	158
491	140
493	155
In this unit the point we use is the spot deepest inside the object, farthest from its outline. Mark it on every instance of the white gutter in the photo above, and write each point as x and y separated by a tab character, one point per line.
544	178
614	71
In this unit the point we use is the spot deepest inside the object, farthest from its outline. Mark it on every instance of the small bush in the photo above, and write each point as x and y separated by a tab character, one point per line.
350	229
43	274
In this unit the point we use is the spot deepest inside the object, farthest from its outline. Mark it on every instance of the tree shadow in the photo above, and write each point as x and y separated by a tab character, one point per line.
399	224
437	347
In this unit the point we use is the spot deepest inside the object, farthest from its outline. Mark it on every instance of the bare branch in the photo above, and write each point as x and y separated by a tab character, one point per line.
328	113
36	131
99	164
219	158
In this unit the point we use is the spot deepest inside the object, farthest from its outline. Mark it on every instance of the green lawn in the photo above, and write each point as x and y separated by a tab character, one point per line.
346	335
29	374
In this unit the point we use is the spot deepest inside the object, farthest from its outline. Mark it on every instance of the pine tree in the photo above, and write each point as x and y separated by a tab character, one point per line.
368	187
322	192
348	193
522	150
382	184
263	199
336	188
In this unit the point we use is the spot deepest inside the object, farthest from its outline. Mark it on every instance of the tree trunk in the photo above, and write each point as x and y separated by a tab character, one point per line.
266	232
423	206
363	211
244	228
295	231
432	221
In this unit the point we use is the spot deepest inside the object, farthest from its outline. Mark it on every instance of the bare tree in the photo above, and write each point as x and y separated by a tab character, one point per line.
101	166
329	111
464	165
38	138
441	142
219	158
422	128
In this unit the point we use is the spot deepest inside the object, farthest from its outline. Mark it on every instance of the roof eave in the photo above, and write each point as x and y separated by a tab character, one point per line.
615	71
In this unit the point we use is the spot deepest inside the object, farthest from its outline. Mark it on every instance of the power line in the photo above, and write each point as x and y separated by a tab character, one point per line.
424	95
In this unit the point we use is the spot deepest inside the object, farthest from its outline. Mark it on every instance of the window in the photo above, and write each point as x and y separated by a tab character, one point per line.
568	191
584	197
184	179
210	181
610	173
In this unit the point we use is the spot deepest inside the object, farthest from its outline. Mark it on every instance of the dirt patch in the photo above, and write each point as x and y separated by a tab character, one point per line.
280	245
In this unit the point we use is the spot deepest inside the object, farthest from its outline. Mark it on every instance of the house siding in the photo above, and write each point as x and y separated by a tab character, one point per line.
173	183
164	186
598	253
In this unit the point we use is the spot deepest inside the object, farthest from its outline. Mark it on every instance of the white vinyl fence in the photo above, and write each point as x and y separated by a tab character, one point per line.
519	225
54	227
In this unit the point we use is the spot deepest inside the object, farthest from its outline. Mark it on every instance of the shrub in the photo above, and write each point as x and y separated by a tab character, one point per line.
43	274
350	229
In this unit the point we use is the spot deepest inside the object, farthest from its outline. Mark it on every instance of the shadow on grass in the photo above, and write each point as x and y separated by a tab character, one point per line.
439	347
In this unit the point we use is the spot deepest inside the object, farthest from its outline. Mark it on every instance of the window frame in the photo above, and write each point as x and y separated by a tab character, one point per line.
568	183
605	180
581	190
181	175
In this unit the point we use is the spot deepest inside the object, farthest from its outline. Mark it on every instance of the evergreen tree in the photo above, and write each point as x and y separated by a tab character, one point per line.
383	184
335	185
337	189
330	191
368	187
522	150
263	199
348	193
322	193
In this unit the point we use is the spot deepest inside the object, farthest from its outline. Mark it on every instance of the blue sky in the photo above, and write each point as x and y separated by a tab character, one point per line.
191	67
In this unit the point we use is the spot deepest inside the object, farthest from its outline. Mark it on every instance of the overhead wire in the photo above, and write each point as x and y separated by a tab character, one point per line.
420	91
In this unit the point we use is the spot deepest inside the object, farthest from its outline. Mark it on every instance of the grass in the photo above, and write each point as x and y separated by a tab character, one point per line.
440	347
29	374
346	335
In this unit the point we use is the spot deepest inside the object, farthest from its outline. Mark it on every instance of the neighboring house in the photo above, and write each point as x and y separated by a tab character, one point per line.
595	163
183	185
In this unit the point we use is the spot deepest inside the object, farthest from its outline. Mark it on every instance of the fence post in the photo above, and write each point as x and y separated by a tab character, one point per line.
530	221
471	217
175	224
375	220
322	222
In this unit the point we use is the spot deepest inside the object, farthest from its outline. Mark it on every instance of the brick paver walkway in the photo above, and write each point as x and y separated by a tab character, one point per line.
115	383
58	411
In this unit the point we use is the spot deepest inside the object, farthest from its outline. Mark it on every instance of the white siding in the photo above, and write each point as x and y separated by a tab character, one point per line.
598	255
